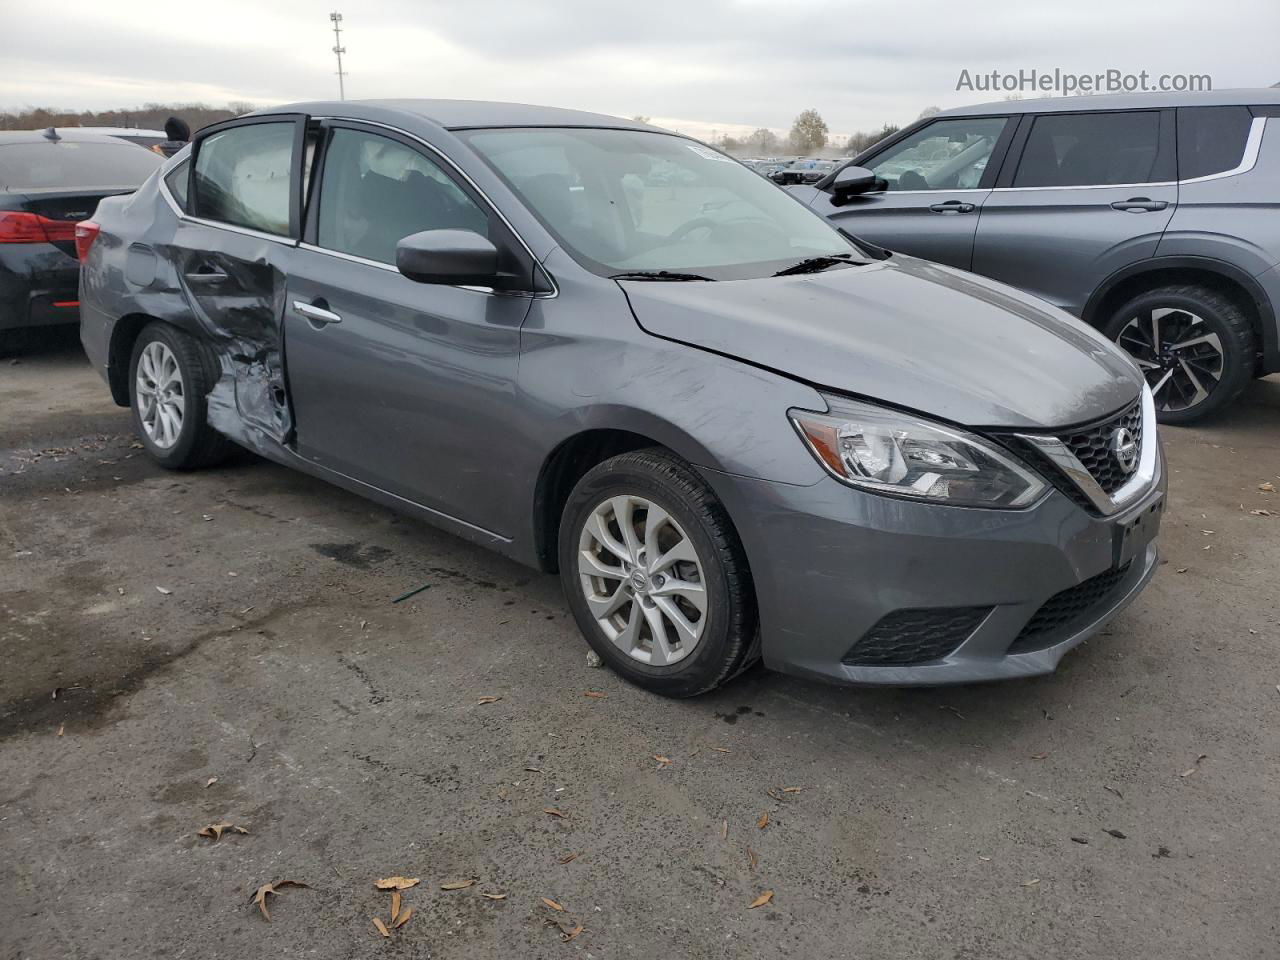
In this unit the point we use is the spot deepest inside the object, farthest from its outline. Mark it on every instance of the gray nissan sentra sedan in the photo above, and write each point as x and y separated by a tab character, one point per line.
605	349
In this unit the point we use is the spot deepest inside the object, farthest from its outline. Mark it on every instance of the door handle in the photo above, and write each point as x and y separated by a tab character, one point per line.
1139	205
952	206
318	316
207	276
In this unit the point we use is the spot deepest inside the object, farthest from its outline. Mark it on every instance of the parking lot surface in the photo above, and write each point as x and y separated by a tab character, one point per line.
180	650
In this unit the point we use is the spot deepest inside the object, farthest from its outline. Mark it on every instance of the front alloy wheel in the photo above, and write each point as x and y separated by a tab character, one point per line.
642	579
1194	345
656	576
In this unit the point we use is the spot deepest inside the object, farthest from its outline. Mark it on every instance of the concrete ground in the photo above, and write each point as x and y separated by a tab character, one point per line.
1125	807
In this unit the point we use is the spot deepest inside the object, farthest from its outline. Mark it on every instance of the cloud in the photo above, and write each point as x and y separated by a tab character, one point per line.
707	64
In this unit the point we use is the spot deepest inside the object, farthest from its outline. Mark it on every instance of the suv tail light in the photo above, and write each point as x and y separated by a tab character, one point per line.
18	226
86	232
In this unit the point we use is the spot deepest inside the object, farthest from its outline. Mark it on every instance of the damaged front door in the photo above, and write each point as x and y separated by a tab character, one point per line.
233	256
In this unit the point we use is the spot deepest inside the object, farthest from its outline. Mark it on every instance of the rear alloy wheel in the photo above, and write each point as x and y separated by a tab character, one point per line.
168	383
1194	346
655	575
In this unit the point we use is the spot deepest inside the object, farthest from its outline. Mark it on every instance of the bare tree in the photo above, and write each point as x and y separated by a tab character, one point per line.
808	132
763	140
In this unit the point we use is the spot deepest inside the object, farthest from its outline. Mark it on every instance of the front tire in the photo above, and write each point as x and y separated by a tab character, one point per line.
1195	346
168	386
655	575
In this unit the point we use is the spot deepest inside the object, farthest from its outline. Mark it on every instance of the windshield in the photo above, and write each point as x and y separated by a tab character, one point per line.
626	201
74	164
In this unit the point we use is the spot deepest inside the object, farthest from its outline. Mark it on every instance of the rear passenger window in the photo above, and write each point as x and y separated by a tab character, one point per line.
1088	149
1211	139
375	191
243	176
176	180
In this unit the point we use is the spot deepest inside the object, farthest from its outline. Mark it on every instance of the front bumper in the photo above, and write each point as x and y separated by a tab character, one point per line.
830	563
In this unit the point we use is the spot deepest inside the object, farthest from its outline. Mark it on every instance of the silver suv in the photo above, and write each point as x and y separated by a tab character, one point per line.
1152	217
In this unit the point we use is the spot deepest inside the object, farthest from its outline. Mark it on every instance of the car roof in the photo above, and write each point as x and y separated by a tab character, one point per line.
1245	96
72	134
464	114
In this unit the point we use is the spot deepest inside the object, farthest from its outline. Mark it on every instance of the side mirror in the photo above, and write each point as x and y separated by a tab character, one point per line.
455	257
855	181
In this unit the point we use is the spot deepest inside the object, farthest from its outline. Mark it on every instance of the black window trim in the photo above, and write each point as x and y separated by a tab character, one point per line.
460	178
1166	150
299	122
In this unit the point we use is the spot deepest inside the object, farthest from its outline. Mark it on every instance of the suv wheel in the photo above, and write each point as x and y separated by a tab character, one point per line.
655	575
167	389
1195	347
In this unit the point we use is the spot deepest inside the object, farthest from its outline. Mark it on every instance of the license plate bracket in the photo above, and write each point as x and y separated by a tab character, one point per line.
1131	537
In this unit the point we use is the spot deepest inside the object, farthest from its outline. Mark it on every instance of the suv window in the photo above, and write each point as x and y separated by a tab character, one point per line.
1091	149
945	155
1211	139
243	176
375	191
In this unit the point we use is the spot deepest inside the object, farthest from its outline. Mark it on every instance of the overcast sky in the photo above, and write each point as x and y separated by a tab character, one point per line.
695	65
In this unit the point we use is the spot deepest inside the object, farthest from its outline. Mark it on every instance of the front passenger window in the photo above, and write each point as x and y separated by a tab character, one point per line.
945	155
375	191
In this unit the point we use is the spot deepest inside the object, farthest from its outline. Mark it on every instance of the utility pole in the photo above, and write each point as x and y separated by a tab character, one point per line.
339	49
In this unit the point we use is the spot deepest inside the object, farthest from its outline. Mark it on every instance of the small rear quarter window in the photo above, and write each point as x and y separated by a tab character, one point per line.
1211	139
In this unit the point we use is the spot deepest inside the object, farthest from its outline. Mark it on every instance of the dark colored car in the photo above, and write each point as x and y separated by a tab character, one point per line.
48	181
1154	217
605	349
808	170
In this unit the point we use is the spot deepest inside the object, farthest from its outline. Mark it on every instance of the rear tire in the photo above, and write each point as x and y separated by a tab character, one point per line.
1195	346
671	606
168	389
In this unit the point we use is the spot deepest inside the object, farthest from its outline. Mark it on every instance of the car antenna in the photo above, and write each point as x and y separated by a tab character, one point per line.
51	134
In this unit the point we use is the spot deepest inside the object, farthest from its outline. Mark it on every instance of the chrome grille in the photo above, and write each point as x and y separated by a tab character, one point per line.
1092	447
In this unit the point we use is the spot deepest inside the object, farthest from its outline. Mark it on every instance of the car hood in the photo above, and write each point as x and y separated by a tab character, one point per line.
908	333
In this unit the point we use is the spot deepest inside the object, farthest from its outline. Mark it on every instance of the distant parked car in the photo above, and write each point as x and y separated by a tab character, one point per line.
136	135
735	432
48	181
1151	216
809	170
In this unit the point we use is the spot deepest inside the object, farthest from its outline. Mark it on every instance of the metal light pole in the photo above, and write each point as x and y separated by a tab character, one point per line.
339	49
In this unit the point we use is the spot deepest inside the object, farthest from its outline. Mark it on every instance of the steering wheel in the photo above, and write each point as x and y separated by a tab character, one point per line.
698	223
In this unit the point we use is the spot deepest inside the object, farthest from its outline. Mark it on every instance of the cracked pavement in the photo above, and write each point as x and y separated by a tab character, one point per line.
344	732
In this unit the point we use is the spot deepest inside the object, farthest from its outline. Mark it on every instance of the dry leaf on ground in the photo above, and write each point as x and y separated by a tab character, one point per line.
751	859
1032	883
569	858
214	830
552	904
595	694
380	926
662	761
568	935
720	749
724	829
763	821
62	728
164	590
1267	487
396	883
552	811
404	918
761	900
792	789
395	905
488	700
493	896
457	885
268	889
210	782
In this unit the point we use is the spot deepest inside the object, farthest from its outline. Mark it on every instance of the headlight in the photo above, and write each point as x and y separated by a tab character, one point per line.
886	451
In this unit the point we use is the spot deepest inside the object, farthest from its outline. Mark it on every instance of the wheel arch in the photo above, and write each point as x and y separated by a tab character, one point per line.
1219	275
124	334
590	444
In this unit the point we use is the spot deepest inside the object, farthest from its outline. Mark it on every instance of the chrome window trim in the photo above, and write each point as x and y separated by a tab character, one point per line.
1252	147
1144	476
904	193
1091	186
555	287
391	268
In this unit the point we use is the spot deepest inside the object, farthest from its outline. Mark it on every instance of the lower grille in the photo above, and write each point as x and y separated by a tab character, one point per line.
915	636
1074	603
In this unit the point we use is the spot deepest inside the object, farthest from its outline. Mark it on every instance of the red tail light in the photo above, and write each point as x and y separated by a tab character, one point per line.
18	226
86	232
